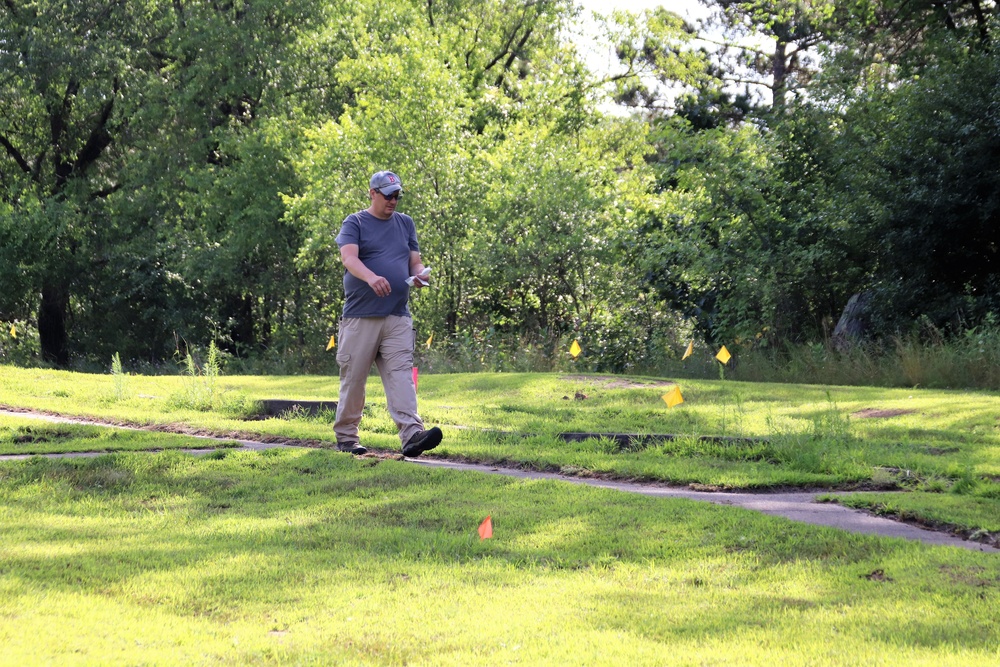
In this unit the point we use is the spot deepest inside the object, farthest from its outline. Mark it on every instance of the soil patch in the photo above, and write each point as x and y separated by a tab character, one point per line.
613	382
274	407
876	413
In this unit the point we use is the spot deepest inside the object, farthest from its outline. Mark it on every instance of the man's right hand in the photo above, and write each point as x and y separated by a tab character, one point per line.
380	286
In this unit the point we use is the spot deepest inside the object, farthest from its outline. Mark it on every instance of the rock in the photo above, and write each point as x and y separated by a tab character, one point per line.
853	323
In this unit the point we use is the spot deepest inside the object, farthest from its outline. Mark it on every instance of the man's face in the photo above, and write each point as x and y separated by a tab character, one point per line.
382	206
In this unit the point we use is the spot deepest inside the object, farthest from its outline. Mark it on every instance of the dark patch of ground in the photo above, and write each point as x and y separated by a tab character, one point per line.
612	382
876	413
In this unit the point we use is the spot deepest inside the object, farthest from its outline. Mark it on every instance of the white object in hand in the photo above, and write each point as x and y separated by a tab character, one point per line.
423	275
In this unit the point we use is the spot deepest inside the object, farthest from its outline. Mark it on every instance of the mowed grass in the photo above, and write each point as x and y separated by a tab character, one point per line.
772	435
315	557
26	436
972	516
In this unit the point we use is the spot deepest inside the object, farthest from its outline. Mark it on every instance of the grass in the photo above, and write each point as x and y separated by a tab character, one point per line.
969	359
813	432
803	436
30	436
315	557
972	516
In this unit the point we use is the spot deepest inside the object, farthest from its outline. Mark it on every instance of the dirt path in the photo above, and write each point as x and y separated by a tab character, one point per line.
797	506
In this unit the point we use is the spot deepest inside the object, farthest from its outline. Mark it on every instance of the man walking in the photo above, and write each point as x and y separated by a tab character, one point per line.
382	258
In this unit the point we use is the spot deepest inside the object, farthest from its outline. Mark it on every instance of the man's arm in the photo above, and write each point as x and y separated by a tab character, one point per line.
416	268
357	268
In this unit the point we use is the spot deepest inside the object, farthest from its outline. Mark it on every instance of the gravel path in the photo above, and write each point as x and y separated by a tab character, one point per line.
797	506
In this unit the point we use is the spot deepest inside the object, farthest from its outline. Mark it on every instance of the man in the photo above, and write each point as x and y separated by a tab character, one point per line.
380	253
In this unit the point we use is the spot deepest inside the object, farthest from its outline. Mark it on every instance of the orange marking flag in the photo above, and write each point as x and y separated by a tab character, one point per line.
332	344
486	529
416	372
673	397
724	355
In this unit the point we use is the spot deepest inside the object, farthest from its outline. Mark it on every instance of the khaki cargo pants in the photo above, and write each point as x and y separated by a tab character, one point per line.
388	343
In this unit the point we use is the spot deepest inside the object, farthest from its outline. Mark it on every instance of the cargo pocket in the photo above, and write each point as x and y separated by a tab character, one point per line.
343	361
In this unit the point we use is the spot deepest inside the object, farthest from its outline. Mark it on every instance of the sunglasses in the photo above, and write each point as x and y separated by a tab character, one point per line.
398	194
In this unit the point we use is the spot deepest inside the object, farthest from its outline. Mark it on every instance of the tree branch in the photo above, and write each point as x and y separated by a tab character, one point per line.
513	54
99	138
506	47
15	155
733	45
981	23
57	117
511	37
106	192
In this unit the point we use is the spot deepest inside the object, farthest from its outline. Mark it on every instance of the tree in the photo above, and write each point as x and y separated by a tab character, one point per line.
108	109
794	27
925	190
64	99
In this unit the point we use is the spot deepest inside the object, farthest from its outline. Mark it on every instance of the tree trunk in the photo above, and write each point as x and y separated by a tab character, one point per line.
779	72
52	335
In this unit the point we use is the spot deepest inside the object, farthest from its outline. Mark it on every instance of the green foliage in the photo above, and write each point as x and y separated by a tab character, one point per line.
928	192
23	349
201	382
925	358
737	244
178	171
112	117
516	199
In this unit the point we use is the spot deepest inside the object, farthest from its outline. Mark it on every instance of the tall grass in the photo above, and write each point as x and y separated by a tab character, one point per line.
121	388
969	361
925	358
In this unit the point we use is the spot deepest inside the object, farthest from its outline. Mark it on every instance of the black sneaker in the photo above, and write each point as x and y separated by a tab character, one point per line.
422	441
351	448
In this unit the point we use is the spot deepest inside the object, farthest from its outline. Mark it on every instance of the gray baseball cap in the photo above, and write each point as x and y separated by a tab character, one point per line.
385	182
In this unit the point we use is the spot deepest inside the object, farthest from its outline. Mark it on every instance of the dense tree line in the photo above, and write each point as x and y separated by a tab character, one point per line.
175	172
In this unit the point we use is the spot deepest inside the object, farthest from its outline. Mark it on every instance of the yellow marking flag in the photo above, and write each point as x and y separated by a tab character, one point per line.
332	344
575	349
724	355
429	341
689	351
673	397
13	331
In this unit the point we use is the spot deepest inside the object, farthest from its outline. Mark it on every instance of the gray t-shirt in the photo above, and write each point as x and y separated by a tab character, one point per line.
384	247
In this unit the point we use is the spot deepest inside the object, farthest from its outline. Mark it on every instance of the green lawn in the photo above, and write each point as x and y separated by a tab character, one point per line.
31	436
814	434
971	516
315	557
